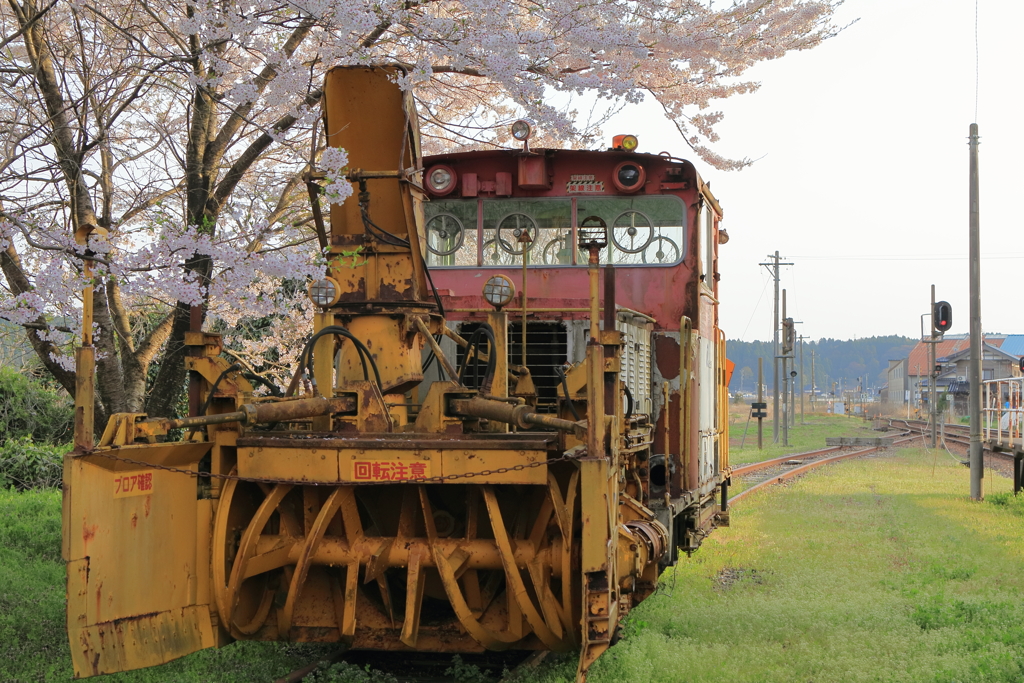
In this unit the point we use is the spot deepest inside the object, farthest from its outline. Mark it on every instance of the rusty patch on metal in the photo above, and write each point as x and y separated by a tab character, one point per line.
88	533
666	354
390	292
357	295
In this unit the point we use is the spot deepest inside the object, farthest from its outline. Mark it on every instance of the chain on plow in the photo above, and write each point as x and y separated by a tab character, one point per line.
305	482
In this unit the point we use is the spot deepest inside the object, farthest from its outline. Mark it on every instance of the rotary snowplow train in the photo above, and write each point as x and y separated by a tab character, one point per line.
508	419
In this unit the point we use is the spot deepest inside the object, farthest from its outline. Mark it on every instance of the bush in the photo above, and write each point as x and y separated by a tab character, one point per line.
28	408
25	464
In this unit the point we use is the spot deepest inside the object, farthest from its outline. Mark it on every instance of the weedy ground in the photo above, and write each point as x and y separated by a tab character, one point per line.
807	436
875	569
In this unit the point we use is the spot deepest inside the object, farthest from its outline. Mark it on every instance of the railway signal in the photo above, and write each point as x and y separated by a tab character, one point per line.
788	335
942	316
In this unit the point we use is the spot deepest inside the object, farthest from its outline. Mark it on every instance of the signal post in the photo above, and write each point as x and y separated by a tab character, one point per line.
941	321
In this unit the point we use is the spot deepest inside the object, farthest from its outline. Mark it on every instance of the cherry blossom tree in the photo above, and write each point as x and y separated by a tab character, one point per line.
186	132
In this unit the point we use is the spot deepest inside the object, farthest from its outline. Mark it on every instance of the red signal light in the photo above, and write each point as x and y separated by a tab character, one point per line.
942	316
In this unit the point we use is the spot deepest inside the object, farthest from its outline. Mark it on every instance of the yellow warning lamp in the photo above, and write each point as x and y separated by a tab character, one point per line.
627	143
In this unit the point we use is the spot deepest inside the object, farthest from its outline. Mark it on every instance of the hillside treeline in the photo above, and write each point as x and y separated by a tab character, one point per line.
835	360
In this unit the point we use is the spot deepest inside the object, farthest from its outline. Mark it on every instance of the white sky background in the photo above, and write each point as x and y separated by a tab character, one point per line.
862	177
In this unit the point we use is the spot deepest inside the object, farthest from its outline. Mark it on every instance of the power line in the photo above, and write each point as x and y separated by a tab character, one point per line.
756	306
935	257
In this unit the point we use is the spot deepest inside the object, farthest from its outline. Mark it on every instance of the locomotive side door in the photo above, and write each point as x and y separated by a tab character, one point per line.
707	356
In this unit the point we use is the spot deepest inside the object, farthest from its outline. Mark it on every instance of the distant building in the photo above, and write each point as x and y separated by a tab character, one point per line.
897	390
916	368
909	378
956	378
1013	345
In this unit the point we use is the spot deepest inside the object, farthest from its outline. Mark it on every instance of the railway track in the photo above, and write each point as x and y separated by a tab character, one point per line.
957	434
427	667
777	470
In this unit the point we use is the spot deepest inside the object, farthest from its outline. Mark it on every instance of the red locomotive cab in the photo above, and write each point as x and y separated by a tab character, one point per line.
519	214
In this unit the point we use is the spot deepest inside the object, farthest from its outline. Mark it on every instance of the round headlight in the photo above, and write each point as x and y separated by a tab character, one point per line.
441	180
522	129
499	291
324	292
629	176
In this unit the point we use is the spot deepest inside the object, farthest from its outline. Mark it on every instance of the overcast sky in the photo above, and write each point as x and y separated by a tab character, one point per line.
862	173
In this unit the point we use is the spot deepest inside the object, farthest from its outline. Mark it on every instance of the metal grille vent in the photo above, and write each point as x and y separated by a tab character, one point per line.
546	349
636	362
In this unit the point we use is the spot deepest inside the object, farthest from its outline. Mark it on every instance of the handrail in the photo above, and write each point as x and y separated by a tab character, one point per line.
685	391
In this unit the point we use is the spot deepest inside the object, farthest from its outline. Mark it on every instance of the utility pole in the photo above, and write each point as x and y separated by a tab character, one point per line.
760	401
813	399
785	382
793	374
977	464
773	268
934	376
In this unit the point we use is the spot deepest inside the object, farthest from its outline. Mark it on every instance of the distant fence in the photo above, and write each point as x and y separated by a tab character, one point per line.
1003	412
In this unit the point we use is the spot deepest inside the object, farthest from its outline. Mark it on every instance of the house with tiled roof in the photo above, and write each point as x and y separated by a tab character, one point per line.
955	376
909	378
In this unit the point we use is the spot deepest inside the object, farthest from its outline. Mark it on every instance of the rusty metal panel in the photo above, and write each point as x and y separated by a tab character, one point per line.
78	590
134	572
175	454
349	464
204	532
387	464
373	142
140	641
460	462
707	395
314	464
142	547
533	173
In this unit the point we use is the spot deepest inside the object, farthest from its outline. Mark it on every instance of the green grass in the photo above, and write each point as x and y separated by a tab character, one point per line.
802	437
875	569
870	570
33	641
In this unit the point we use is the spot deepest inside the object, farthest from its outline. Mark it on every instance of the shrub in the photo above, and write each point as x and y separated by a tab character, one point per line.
25	464
28	408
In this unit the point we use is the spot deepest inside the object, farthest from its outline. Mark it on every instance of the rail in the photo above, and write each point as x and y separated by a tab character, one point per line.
960	434
806	467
